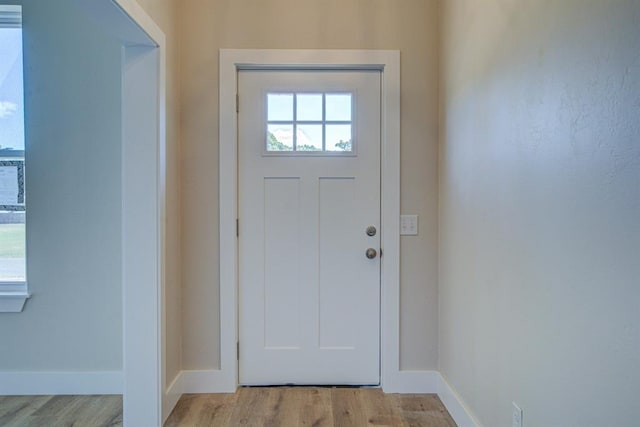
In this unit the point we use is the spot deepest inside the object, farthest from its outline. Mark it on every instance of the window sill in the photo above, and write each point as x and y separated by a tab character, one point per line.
13	296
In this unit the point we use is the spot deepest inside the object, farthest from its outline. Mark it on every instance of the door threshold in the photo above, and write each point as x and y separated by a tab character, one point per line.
291	385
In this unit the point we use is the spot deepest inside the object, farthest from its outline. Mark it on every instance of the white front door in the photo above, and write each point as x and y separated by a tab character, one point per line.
309	209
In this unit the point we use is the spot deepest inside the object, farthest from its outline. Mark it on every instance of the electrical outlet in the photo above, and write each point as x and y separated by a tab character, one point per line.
408	225
516	415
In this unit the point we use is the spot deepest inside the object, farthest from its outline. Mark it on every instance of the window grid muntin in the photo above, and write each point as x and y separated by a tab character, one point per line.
322	122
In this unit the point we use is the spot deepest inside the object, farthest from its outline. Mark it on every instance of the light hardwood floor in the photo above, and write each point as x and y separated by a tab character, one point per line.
259	407
310	406
59	411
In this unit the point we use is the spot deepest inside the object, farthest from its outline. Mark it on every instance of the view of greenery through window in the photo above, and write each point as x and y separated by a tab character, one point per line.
12	197
274	145
304	122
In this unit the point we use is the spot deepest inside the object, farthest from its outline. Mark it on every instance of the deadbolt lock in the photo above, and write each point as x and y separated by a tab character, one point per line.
371	231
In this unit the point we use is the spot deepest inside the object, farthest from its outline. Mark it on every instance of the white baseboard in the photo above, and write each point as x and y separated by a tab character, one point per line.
171	396
432	382
455	405
206	381
210	381
412	382
47	383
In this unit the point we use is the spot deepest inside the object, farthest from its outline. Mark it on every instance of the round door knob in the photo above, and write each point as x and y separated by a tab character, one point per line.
371	253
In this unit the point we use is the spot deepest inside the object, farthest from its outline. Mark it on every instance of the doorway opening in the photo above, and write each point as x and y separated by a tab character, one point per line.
309	215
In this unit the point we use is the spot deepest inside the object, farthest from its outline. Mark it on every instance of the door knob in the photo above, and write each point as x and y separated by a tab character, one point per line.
371	253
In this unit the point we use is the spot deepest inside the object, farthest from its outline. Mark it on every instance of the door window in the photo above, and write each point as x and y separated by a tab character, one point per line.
309	123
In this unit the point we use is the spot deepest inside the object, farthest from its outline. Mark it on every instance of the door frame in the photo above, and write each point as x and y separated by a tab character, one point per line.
143	163
386	61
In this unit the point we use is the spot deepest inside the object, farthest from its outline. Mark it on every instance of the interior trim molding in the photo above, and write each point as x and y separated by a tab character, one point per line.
458	410
13	302
171	396
206	381
434	382
193	382
61	383
413	382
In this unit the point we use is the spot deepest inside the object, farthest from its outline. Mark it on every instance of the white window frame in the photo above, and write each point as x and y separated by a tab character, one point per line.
13	295
321	122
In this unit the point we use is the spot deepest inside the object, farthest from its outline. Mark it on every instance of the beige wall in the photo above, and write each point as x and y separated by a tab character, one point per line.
540	210
164	13
207	26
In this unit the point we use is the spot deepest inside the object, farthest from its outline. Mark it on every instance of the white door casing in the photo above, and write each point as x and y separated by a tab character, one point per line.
143	178
309	298
225	379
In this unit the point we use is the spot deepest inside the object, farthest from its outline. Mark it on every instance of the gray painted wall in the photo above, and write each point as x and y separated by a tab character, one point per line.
540	210
73	322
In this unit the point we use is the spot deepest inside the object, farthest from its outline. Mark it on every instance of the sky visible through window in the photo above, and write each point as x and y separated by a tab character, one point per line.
11	88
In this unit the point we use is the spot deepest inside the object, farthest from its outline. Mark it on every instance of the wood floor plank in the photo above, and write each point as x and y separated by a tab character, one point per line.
184	411
202	410
61	411
62	406
103	411
13	409
252	406
316	408
98	411
380	410
348	410
295	406
273	412
423	410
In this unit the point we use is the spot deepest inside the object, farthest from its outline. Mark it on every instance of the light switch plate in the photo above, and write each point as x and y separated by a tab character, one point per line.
408	225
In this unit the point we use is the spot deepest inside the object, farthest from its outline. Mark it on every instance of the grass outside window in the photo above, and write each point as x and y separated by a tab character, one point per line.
12	243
